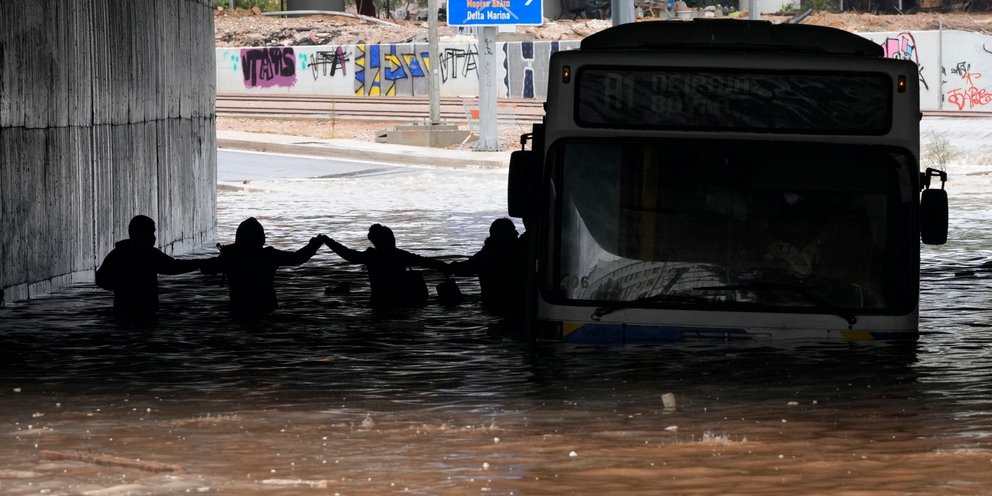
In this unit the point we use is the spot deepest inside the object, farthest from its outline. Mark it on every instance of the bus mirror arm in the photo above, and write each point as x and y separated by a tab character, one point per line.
933	208
524	138
925	177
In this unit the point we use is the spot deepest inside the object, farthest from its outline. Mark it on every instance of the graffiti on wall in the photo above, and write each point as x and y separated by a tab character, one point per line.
402	69
391	70
969	96
387	69
268	67
526	66
459	63
522	71
903	47
326	63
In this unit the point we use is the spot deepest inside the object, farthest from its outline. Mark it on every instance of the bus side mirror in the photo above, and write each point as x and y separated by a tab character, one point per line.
522	182
933	216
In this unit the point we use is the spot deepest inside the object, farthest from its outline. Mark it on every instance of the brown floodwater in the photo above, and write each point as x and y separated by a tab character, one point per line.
325	397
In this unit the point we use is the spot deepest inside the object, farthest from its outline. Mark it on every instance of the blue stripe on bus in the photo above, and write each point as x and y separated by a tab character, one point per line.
598	333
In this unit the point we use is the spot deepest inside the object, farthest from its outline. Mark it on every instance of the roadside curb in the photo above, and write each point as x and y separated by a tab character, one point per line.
404	156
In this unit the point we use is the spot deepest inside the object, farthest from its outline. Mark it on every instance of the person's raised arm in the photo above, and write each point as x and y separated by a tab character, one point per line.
212	265
412	259
164	264
344	252
469	267
298	257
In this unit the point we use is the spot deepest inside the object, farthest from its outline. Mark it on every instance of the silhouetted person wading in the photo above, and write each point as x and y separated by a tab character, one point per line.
250	267
497	264
393	283
131	270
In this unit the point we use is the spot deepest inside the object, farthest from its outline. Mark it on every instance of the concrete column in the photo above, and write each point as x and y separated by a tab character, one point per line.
106	112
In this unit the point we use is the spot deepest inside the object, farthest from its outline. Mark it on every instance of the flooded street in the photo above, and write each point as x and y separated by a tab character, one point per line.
325	397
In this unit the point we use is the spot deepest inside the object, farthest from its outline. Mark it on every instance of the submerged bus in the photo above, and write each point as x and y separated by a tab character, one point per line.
725	179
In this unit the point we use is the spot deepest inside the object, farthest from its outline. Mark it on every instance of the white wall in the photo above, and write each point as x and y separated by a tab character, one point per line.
955	68
767	6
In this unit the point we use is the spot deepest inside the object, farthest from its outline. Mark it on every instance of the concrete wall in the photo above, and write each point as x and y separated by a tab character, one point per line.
106	111
951	66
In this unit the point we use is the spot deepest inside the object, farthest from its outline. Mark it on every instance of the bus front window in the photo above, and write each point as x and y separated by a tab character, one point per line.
742	224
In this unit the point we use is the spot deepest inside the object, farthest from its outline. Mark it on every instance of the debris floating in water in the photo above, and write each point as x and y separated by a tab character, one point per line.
110	461
668	400
368	423
316	484
573	454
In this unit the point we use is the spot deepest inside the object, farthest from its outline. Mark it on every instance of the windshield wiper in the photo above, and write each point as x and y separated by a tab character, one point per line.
658	298
803	291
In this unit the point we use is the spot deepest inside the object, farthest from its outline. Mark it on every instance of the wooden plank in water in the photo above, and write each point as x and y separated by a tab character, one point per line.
109	460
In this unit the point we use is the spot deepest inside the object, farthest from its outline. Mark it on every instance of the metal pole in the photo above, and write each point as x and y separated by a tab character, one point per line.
940	62
434	80
622	11
752	10
488	135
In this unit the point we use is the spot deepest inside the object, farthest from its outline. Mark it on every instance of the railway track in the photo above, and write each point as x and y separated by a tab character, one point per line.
401	108
383	108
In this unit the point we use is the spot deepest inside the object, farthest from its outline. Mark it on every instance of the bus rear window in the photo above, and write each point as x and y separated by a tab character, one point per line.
714	100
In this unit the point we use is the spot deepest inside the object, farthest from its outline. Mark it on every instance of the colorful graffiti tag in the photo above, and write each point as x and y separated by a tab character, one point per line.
903	47
391	70
268	67
971	96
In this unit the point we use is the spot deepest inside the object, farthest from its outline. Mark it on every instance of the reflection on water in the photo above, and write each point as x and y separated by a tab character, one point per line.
324	397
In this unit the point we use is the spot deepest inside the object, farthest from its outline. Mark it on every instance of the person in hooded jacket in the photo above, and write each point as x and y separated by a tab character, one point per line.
496	264
392	282
250	268
131	270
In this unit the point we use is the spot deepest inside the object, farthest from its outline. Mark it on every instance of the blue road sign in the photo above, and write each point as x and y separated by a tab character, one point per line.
495	12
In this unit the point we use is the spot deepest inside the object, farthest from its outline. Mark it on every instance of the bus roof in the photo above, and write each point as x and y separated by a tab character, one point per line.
732	34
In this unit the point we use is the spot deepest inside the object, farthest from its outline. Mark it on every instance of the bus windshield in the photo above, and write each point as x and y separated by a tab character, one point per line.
742	224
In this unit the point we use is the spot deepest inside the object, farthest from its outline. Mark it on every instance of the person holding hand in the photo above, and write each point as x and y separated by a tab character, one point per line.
250	268
392	281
